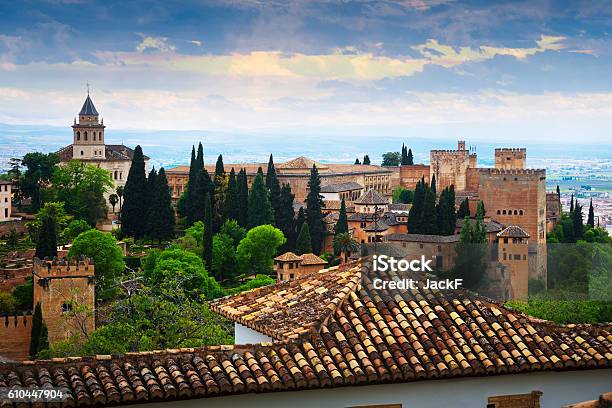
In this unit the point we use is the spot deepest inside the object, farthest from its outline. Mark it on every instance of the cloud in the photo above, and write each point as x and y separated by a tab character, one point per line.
196	42
448	56
586	52
160	44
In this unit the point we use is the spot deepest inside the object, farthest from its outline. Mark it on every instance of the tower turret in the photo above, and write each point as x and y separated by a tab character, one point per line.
88	134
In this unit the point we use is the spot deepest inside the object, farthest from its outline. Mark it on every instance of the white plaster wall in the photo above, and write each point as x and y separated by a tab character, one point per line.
244	335
559	388
5	201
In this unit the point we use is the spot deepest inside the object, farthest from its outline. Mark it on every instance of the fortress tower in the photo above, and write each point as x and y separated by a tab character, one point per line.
60	287
451	166
510	158
88	134
513	251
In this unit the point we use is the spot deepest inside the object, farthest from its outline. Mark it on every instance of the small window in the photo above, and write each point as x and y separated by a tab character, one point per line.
520	212
504	212
498	212
421	246
291	276
81	152
66	307
439	248
78	136
85	136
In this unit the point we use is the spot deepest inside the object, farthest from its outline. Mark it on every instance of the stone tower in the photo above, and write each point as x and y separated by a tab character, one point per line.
510	158
62	286
88	134
513	252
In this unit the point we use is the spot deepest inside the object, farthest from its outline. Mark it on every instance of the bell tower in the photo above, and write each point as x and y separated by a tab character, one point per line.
88	133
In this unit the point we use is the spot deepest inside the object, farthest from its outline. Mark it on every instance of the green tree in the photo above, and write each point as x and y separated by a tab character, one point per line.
119	191
402	195
207	239
24	295
232	229
259	209
107	257
342	223
285	216
81	187
113	199
224	265
345	244
480	210
243	198
135	206
46	243
304	241
173	266
577	221
429	217
366	160
415	215
433	185
232	209
190	187
558	192
39	339
391	159
464	209
470	262
357	161
410	158
196	231
161	214
572	204
404	159
274	188
39	170
591	217
220	191
8	303
314	210
255	253
204	187
74	229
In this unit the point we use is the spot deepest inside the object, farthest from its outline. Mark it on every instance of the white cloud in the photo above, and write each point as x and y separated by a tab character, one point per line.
155	43
196	42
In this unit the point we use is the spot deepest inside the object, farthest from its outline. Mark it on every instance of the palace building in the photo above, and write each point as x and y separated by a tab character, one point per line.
88	145
296	173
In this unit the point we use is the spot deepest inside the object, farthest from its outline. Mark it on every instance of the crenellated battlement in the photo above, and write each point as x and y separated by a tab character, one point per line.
15	321
449	153
63	267
510	149
524	173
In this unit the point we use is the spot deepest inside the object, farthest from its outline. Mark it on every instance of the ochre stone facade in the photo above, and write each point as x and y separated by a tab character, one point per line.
411	174
450	166
59	286
510	158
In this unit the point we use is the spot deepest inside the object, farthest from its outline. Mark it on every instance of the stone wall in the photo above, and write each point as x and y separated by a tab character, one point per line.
450	168
15	334
510	158
410	175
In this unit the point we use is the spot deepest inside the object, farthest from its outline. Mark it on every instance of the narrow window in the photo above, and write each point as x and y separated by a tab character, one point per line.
78	136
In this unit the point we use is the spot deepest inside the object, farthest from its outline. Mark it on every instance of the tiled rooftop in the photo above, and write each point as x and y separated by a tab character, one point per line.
371	197
349	334
340	187
513	231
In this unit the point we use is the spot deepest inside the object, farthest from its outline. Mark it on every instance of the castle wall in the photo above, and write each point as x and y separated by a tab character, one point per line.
411	174
553	211
15	335
510	158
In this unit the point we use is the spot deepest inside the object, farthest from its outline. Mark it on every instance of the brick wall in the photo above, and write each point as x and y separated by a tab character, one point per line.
410	175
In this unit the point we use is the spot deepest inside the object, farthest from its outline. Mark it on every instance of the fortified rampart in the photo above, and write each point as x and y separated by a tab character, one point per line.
411	174
450	168
15	334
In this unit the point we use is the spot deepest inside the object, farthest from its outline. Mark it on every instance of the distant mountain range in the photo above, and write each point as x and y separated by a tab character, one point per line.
169	148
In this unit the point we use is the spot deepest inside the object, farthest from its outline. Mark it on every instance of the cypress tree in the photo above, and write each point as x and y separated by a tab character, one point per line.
451	215
232	211
480	210
35	334
342	223
133	214
151	190
366	159
299	220
220	181
314	207
416	211
591	217
464	209
558	192
204	186
207	239
191	186
442	213
243	198
404	160
410	158
357	161
572	204
304	241
577	221
161	214
429	217
46	245
274	188
285	216
433	184
199	163
260	210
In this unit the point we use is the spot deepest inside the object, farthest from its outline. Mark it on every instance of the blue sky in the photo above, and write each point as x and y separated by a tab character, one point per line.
530	71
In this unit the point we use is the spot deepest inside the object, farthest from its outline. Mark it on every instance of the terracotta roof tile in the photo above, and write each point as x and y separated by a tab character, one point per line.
288	257
371	197
312	259
513	231
348	334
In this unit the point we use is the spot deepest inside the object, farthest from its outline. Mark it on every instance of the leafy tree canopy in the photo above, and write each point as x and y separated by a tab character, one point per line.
256	251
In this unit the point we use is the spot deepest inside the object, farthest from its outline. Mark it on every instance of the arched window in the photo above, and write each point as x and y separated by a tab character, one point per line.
78	135
515	212
504	212
116	174
85	136
498	212
521	212
66	307
94	136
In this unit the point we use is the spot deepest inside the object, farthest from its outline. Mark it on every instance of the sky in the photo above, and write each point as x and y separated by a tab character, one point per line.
485	70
